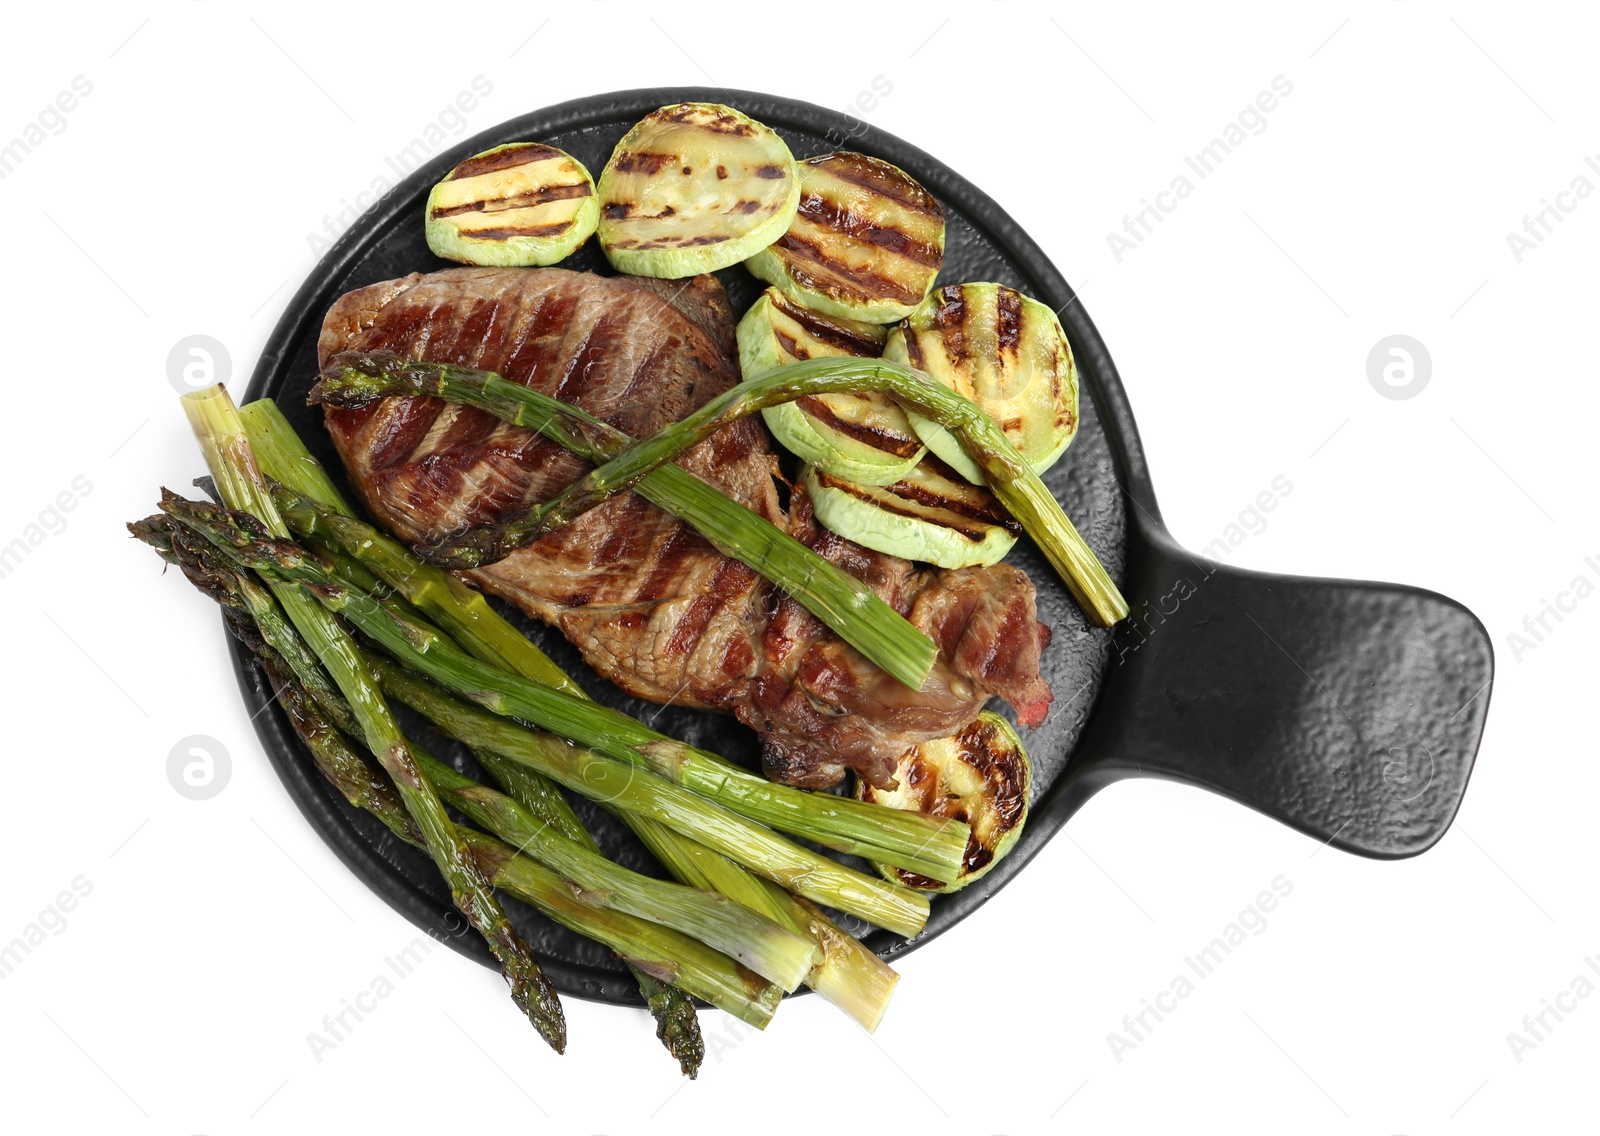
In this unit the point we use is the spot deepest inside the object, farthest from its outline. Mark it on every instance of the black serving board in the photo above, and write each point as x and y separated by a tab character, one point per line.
1351	711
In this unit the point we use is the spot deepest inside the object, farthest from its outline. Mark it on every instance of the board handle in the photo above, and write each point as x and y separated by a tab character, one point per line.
1349	710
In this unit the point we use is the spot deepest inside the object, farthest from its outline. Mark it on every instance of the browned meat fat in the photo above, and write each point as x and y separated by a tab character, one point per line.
653	607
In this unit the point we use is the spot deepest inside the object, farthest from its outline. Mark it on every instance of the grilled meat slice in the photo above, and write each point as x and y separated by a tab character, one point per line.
653	607
822	708
703	300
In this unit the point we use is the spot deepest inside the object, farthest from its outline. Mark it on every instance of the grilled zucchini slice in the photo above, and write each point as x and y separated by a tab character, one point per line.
1006	353
931	514
981	776
693	188
866	243
519	204
863	437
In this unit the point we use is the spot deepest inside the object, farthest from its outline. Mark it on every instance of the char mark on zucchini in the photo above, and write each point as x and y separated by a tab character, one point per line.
1004	352
541	196
849	338
523	203
866	242
863	436
693	188
879	437
507	158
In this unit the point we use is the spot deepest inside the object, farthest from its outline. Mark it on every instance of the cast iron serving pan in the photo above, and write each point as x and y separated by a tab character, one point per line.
1351	711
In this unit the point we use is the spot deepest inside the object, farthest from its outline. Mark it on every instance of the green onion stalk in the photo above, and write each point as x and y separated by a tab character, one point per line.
846	605
232	465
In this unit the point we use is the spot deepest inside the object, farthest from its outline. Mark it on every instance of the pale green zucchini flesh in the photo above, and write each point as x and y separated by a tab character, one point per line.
980	775
520	204
1004	352
863	437
930	515
866	243
693	188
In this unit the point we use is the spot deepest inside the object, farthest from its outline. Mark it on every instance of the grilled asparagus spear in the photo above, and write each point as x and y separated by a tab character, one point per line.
847	975
259	621
264	629
637	749
1004	352
865	437
1008	474
853	610
228	455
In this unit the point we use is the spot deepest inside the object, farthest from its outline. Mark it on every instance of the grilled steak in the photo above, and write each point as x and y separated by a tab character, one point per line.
653	607
703	300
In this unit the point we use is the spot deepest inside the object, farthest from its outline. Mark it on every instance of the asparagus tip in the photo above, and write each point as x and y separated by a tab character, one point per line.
349	378
468	548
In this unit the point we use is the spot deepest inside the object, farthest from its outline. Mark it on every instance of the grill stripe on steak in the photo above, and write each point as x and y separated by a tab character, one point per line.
653	607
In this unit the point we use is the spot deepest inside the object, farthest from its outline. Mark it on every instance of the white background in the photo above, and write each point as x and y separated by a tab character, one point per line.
178	200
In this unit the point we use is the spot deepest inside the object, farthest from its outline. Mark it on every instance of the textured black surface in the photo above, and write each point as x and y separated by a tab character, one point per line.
1350	711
